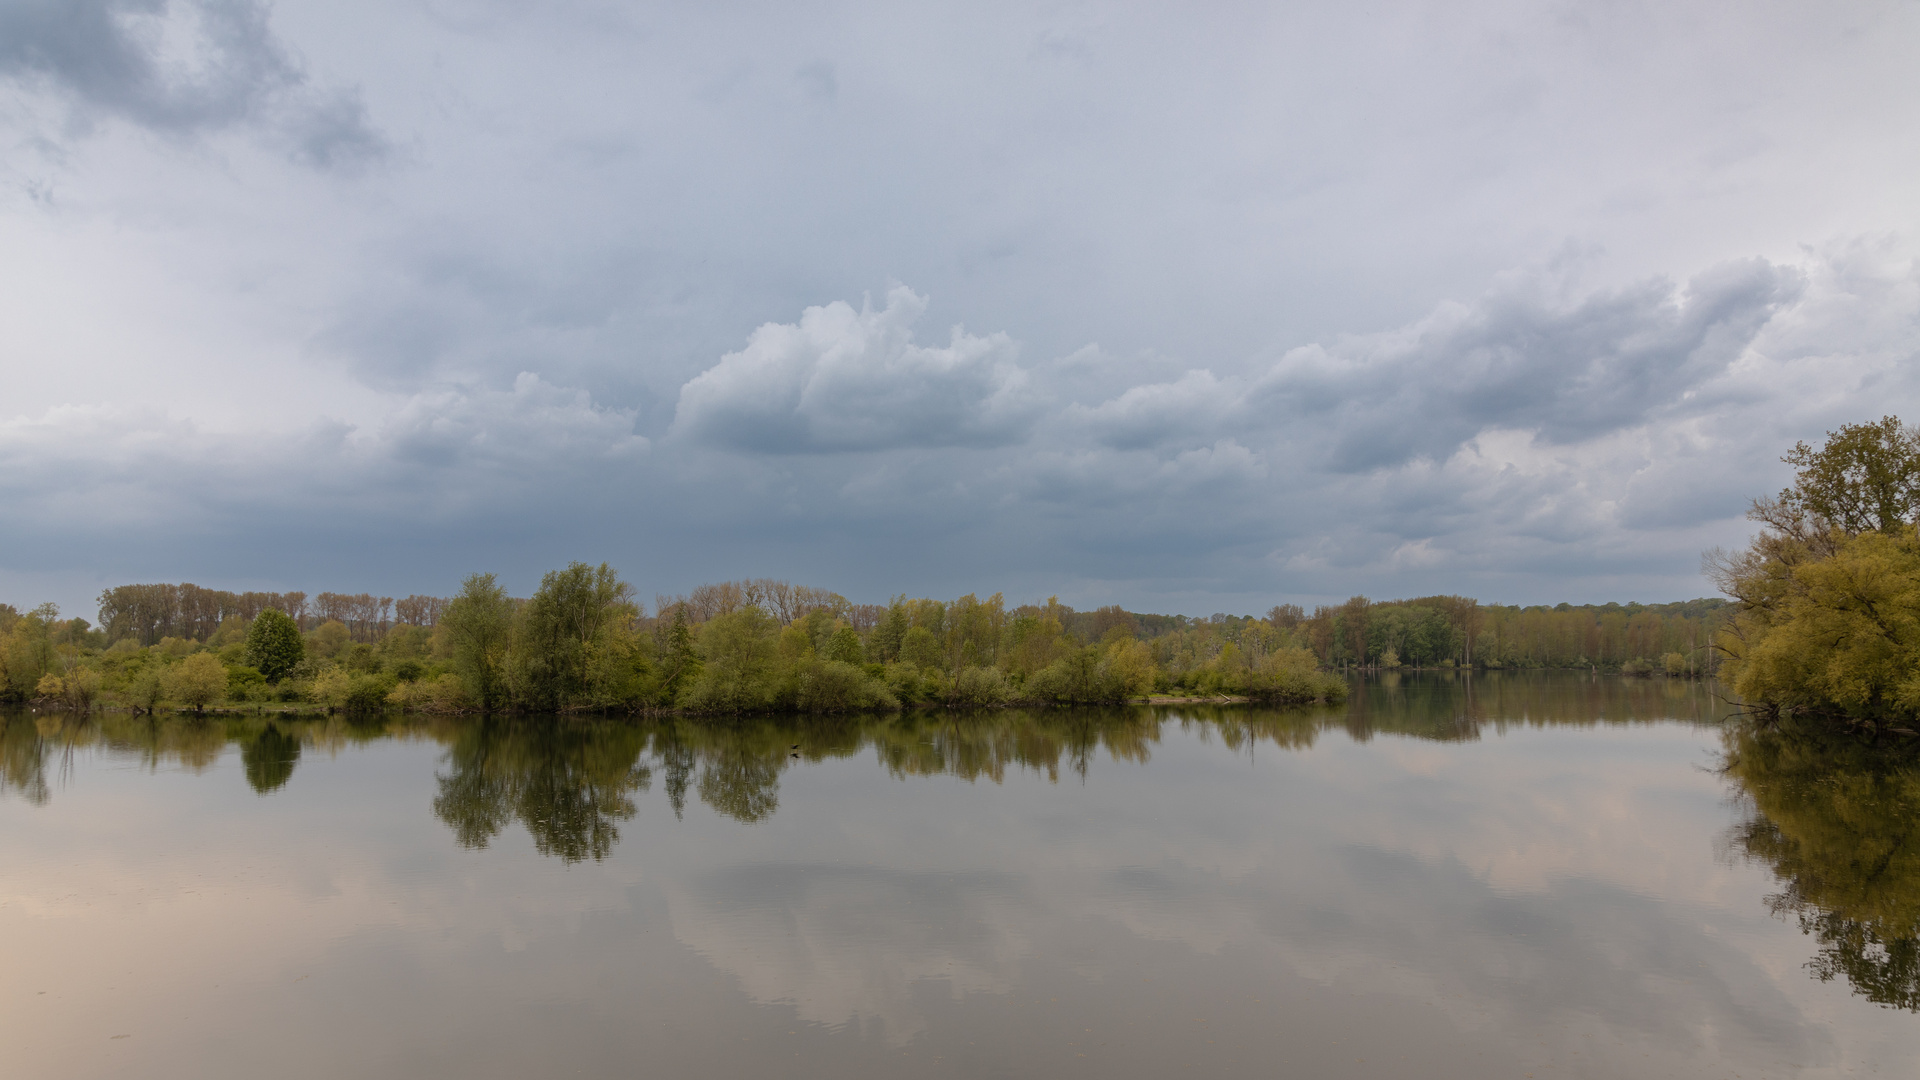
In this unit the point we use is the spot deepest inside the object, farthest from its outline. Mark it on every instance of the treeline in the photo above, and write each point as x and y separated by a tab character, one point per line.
583	642
1451	631
149	613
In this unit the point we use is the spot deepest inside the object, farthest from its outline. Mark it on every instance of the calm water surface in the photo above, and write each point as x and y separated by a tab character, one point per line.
1509	876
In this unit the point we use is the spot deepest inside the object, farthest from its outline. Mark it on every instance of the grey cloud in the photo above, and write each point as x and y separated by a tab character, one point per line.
842	380
1516	360
114	58
431	454
819	79
1570	374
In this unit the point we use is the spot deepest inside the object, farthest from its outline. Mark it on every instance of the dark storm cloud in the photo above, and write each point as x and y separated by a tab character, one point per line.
223	67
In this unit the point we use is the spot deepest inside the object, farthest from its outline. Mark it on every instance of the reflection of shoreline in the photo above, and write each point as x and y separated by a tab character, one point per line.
1838	825
569	780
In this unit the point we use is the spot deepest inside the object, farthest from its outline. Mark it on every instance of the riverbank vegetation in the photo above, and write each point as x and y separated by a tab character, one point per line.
584	642
1826	619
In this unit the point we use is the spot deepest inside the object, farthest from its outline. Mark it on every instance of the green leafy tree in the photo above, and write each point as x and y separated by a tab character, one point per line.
479	625
682	665
1866	477
739	672
1828	595
568	631
197	681
274	644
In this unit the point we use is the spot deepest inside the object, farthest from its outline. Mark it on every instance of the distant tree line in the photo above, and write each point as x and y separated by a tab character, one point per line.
584	641
148	613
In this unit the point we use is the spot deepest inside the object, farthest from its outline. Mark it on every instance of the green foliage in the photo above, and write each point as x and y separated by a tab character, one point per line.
681	665
739	670
1835	634
919	647
274	644
328	640
571	645
844	646
1827	616
836	686
479	628
358	693
442	694
197	681
1866	478
981	686
27	652
245	683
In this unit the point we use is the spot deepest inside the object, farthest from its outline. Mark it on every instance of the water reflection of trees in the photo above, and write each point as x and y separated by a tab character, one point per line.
571	782
269	757
1836	823
567	783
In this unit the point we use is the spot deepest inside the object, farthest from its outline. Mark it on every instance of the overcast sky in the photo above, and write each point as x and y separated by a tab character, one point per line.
1187	307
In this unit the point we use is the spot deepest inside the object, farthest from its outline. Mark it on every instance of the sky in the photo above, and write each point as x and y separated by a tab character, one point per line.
1190	308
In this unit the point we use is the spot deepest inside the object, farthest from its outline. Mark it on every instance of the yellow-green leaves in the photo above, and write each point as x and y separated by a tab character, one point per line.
1840	633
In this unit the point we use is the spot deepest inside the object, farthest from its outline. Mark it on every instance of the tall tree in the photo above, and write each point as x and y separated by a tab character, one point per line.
479	625
273	644
1866	478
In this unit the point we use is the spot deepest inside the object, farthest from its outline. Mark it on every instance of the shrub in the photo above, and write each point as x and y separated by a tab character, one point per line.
245	683
981	686
836	686
197	681
356	692
738	675
328	639
1293	677
445	694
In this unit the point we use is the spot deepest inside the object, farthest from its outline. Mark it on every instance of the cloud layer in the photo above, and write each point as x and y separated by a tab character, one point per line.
181	67
1422	298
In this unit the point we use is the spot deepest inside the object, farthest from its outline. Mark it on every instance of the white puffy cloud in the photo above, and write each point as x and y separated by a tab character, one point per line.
841	379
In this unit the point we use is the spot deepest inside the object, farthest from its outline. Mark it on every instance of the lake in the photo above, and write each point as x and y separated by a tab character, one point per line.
1509	875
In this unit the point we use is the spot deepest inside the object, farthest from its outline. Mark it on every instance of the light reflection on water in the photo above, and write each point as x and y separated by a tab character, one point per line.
1509	874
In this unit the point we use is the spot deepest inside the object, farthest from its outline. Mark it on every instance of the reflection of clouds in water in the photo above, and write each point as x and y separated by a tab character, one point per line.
846	943
1580	960
1516	899
1546	896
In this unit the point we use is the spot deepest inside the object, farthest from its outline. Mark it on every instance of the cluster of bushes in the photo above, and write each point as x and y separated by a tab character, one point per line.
582	642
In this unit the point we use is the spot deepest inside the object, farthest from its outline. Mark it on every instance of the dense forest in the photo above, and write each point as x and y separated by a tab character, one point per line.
584	641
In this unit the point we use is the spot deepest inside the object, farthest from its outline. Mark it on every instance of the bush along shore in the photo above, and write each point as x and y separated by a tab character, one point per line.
584	642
